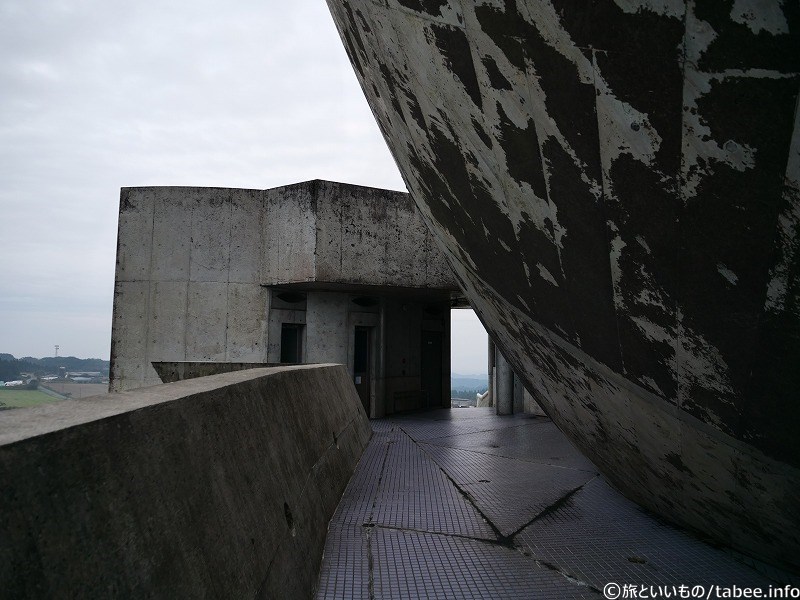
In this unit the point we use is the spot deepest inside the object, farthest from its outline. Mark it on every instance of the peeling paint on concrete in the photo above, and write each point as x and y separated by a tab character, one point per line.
669	8
761	15
729	275
545	274
627	148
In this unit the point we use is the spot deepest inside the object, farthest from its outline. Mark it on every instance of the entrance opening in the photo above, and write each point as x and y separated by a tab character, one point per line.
291	343
362	359
431	375
468	358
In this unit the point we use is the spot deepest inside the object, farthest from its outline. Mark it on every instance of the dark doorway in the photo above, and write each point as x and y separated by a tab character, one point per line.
291	343
431	374
362	357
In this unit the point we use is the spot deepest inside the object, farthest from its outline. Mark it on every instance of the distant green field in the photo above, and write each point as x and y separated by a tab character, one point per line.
11	398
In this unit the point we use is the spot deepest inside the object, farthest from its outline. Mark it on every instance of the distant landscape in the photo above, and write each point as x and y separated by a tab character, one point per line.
11	368
51	378
30	381
467	386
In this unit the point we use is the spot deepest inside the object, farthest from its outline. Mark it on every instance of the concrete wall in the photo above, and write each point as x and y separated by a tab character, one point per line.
192	264
213	487
375	237
170	372
187	281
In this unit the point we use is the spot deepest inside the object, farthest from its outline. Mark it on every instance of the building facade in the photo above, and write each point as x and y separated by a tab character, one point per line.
316	272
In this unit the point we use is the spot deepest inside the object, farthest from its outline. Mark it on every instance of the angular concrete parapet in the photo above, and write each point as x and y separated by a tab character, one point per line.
221	486
173	371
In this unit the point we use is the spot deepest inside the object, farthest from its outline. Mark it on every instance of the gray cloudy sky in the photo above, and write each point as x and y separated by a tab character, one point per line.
96	95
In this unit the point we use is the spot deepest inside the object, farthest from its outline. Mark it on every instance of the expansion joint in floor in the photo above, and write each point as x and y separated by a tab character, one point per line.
370	526
550	508
466	495
493	455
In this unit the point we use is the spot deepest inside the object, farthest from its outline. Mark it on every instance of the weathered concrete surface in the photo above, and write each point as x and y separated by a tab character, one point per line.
618	187
193	265
216	487
504	385
170	372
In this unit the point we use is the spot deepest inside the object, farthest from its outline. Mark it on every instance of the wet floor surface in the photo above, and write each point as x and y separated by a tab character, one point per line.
465	504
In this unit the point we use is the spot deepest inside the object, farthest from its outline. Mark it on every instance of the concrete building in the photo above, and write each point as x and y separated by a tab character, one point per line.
316	272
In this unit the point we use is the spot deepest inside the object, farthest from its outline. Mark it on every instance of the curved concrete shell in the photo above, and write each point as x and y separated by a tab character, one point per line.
617	186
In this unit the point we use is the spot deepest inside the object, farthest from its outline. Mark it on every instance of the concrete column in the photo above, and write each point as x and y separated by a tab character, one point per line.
489	401
504	400
446	352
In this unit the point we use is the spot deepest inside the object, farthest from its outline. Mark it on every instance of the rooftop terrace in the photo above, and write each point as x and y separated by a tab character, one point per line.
466	504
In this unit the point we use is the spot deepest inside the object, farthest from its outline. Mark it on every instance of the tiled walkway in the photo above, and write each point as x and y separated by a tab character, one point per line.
464	504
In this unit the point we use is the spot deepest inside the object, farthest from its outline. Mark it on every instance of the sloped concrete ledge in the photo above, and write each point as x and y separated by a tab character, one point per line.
220	486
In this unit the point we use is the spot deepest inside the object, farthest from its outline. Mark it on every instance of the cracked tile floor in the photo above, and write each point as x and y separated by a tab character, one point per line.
465	504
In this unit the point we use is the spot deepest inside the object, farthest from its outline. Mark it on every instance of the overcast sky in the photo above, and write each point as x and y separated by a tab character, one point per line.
96	95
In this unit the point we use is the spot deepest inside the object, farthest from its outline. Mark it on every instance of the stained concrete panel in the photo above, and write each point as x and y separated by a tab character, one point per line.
247	223
326	324
363	249
211	234
437	270
129	334
206	321
135	228
167	317
328	232
246	333
406	245
375	237
289	234
172	234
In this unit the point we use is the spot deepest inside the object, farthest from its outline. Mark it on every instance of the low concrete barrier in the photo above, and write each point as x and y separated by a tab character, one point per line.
218	487
170	372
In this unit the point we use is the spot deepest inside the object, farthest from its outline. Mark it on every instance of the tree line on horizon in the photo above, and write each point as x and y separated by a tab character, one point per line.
11	367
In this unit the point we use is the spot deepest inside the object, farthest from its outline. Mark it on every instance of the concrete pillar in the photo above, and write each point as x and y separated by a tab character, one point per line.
504	400
489	400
